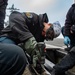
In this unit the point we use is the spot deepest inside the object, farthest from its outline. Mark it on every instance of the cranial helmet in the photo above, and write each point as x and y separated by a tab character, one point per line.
56	28
54	31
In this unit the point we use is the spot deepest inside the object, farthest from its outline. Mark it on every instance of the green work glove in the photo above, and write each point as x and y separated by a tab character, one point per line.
39	53
35	50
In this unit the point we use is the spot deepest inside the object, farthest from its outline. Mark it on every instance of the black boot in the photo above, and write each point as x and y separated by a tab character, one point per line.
54	72
65	64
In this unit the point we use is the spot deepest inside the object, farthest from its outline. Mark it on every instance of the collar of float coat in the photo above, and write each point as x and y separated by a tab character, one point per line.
43	18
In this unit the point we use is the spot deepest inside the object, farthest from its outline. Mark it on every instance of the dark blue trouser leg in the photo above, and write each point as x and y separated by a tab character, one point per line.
12	60
66	63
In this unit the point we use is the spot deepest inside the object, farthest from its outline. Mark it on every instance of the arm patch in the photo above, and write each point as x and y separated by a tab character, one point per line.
29	15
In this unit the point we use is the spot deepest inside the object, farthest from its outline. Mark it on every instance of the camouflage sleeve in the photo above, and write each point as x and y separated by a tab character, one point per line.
36	51
30	45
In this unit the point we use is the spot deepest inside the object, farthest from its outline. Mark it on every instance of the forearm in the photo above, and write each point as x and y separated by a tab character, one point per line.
30	45
35	50
37	53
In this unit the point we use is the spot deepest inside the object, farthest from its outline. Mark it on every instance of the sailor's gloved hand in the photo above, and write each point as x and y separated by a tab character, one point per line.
38	57
37	54
66	40
35	50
